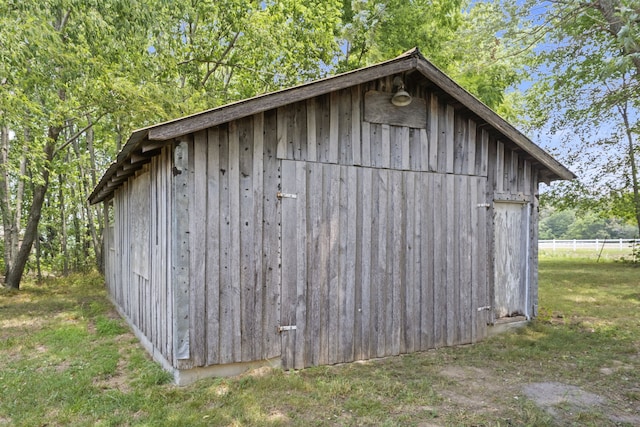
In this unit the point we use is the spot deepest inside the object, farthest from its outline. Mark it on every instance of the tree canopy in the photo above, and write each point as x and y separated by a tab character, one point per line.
77	76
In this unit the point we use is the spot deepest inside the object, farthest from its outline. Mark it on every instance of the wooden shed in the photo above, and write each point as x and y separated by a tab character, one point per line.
324	224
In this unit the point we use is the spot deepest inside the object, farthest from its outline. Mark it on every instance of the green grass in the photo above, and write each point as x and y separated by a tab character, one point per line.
68	359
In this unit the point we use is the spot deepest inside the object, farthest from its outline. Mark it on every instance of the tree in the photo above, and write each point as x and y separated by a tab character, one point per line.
77	76
588	97
464	40
59	59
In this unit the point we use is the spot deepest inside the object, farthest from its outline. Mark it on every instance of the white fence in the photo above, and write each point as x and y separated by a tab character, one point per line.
595	244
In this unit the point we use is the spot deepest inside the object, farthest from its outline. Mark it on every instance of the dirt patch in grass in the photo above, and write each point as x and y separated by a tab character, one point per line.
119	380
565	402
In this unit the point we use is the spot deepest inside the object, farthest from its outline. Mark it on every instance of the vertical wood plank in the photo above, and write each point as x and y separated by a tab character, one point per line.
180	238
513	172
460	156
167	244
366	144
500	176
475	302
466	262
312	142
414	149
439	260
345	128
341	291
325	271
403	135
376	145
409	282
471	150
289	269
398	258
351	283
381	281
323	127
450	119
300	228
482	157
300	143
257	226
366	220
247	242
356	120
283	121
213	247
533	260
451	265
234	248
385	147
334	127
526	178
396	148
271	341
424	151
334	260
226	283
434	133
428	223
316	270
197	243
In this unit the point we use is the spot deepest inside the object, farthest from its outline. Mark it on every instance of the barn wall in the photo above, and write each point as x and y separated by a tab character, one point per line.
137	248
331	129
232	239
391	253
394	254
392	258
386	262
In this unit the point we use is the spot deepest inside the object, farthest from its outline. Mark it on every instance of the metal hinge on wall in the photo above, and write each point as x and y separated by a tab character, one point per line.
281	196
486	307
282	329
483	205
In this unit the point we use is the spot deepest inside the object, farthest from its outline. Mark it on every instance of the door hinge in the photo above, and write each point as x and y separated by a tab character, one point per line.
281	196
483	205
282	329
486	307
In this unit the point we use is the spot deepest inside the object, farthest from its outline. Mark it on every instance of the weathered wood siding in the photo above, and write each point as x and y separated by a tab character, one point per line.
379	262
383	242
137	246
513	225
331	129
232	235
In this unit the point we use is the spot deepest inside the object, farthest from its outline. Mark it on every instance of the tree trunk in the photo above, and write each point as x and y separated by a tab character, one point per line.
16	270
88	183
5	200
633	165
63	227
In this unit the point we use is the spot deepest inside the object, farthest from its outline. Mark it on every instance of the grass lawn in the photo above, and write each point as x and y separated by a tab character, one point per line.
66	358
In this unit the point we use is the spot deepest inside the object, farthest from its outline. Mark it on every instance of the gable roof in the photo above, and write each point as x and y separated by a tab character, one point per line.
145	143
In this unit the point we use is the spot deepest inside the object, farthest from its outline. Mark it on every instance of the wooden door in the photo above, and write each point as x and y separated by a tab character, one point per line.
511	254
378	262
318	251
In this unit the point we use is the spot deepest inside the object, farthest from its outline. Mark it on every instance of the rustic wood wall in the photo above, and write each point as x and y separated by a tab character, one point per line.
386	262
232	237
386	248
137	247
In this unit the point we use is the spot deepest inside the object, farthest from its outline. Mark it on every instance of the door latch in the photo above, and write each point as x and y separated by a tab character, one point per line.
281	196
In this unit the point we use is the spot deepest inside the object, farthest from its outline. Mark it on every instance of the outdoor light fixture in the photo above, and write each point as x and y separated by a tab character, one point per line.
401	98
